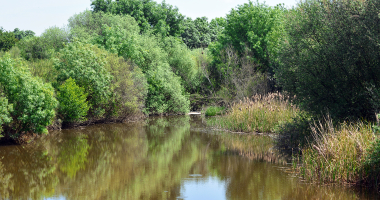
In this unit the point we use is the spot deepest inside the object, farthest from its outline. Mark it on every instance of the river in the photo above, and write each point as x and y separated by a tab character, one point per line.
160	158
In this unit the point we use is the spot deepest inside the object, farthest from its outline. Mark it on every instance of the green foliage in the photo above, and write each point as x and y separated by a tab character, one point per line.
165	93
331	57
7	40
372	164
182	63
87	24
80	62
256	28
214	110
73	106
43	47
22	34
5	110
129	87
43	68
33	101
199	33
163	18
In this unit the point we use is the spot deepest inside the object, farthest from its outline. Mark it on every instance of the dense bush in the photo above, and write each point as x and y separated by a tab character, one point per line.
129	87
332	56
73	105
165	92
5	116
33	101
80	62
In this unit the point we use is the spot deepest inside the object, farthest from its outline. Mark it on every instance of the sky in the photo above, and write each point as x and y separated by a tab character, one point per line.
39	15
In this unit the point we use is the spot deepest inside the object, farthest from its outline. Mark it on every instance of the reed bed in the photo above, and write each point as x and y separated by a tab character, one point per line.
338	154
257	114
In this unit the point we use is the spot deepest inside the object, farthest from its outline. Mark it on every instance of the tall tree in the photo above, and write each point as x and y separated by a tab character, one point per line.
161	18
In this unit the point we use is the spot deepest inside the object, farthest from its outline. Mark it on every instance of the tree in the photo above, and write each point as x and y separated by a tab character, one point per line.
161	18
22	34
80	62
7	40
332	56
51	40
254	26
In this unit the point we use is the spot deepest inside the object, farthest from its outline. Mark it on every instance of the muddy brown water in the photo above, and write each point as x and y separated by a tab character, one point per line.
159	158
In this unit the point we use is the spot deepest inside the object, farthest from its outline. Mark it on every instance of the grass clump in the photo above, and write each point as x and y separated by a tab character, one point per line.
261	113
215	110
338	154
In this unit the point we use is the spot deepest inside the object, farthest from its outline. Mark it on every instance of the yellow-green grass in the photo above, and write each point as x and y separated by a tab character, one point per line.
338	154
257	114
214	110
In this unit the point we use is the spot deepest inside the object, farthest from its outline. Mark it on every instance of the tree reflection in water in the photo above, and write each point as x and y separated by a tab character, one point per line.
153	159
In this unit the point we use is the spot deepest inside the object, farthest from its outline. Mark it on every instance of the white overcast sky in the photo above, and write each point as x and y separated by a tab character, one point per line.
39	15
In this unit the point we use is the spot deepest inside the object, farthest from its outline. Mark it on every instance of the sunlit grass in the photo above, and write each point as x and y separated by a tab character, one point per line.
214	110
257	114
338	153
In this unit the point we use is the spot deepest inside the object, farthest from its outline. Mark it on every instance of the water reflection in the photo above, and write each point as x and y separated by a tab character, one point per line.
160	158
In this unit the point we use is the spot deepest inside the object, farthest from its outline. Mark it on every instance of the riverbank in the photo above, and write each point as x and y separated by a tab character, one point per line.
328	152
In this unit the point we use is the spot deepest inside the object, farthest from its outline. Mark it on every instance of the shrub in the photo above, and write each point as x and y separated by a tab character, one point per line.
80	62
5	110
371	167
129	87
73	106
33	101
214	110
165	92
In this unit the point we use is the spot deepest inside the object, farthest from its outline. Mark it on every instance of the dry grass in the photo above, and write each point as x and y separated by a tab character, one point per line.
337	153
258	114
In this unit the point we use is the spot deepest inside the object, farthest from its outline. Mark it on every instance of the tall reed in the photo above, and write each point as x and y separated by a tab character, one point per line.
261	113
338	153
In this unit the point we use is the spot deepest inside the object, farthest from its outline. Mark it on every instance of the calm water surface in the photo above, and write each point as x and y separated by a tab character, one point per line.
160	158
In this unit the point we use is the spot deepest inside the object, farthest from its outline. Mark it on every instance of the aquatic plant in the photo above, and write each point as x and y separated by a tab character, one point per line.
261	113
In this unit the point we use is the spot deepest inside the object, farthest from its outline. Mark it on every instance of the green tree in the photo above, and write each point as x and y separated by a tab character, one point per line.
7	40
87	24
73	105
19	34
51	40
33	101
161	18
255	27
80	62
331	58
